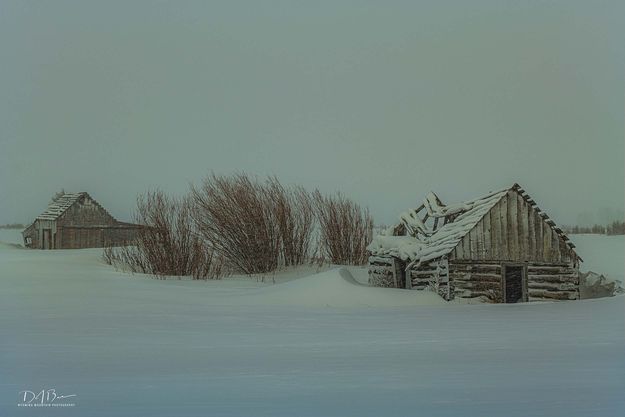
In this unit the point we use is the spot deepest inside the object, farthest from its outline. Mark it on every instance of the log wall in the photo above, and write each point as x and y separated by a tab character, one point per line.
479	279
386	271
552	282
544	281
433	276
476	279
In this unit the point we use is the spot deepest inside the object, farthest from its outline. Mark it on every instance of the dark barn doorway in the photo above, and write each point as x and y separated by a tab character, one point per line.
513	284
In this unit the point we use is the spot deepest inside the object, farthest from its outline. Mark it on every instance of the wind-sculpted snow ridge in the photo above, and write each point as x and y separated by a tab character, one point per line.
335	288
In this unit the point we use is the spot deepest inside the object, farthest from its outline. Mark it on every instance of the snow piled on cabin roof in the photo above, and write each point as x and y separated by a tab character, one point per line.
439	242
403	247
58	207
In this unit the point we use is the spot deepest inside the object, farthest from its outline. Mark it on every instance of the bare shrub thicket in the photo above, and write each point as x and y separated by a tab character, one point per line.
295	215
239	223
256	226
345	229
237	216
168	244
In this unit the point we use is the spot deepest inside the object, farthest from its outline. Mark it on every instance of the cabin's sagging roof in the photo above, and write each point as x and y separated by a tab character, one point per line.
421	244
58	207
434	244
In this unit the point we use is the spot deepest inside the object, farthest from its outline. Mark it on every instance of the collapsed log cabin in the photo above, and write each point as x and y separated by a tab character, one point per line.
74	221
500	247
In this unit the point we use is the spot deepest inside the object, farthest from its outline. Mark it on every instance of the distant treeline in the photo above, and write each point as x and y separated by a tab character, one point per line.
12	226
615	228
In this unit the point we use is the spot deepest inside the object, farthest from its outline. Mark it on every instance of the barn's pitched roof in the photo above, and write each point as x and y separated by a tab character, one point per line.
425	243
60	205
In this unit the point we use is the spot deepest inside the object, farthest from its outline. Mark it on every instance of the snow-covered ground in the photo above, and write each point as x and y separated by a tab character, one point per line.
321	345
13	236
602	254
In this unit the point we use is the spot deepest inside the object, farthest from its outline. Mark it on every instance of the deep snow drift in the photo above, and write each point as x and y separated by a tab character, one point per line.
335	288
323	345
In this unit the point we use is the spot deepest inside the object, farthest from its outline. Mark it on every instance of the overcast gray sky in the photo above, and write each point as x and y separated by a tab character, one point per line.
382	100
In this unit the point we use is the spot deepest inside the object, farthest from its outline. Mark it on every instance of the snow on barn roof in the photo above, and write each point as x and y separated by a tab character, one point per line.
429	244
59	205
421	243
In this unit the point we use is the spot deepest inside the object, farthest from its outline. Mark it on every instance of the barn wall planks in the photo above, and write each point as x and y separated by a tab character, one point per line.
84	224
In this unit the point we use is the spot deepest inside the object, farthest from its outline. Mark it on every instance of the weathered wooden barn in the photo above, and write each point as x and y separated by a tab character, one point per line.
75	220
500	247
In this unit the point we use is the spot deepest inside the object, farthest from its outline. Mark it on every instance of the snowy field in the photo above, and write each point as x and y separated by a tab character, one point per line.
602	254
321	345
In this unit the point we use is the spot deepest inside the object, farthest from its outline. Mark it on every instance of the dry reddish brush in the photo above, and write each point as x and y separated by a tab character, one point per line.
345	229
295	215
238	223
256	226
235	215
169	243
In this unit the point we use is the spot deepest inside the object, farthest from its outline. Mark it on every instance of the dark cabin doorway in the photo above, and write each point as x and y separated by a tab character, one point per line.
47	240
513	284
